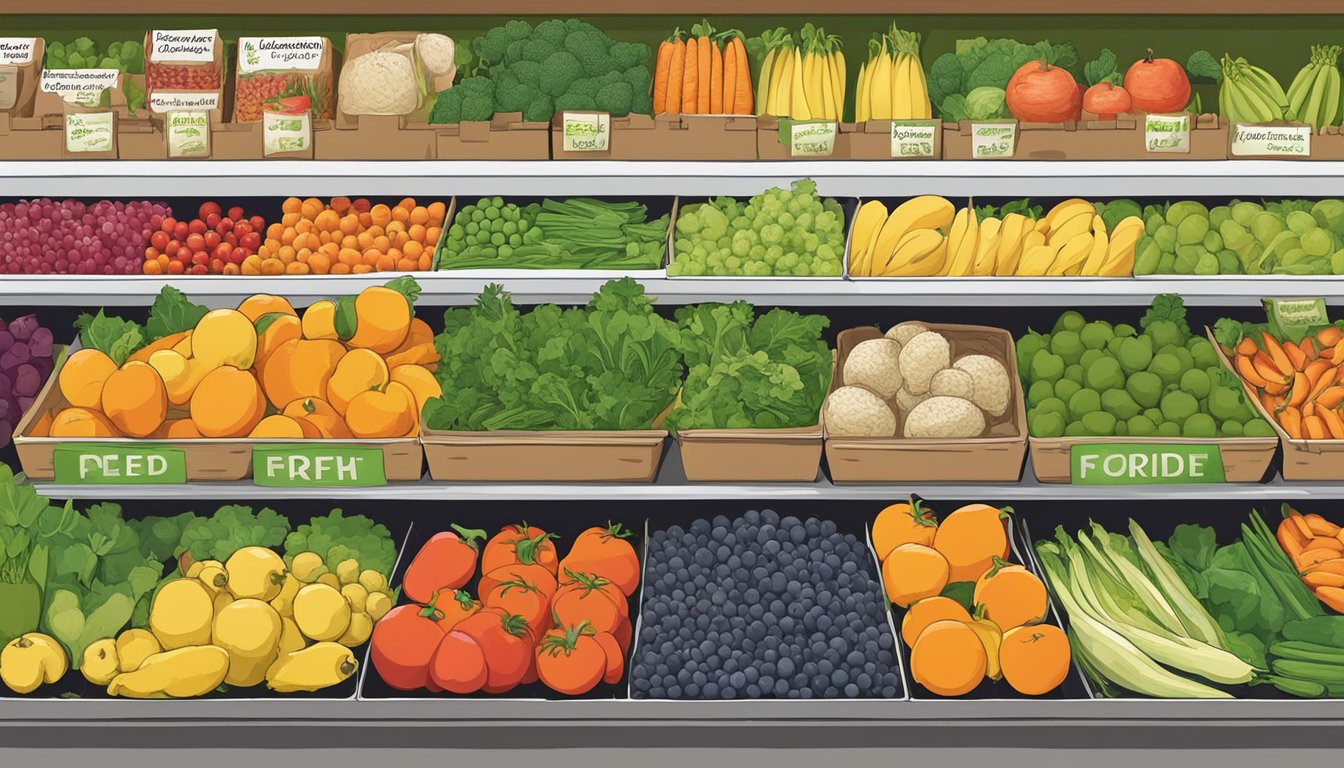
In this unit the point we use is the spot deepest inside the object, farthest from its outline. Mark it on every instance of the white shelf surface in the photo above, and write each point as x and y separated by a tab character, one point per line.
251	178
672	485
447	289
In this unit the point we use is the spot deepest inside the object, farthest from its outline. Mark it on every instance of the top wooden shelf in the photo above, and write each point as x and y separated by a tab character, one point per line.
690	8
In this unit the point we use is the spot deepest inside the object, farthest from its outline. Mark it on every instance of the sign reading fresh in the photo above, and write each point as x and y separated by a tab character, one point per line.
1145	463
332	466
118	464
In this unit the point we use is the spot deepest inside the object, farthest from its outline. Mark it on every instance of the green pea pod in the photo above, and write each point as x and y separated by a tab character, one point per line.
1307	689
20	610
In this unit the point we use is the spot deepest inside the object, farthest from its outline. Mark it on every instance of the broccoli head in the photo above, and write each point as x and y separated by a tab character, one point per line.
616	98
518	30
573	102
513	95
557	72
528	72
552	31
591	49
643	104
611	77
447	107
585	86
639	78
491	45
514	53
537	49
478	98
579	25
629	54
541	110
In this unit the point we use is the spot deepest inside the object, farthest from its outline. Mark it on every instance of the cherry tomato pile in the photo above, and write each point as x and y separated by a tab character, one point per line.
215	243
535	616
182	77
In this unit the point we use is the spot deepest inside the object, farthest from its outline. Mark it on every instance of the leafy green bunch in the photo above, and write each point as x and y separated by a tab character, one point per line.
337	537
557	65
970	83
613	364
749	372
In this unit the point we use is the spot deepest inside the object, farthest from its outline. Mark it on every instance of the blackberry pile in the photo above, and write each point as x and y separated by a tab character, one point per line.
762	607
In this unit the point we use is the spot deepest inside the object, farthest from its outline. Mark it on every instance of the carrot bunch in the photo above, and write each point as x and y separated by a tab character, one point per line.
535	616
1299	384
709	73
1316	547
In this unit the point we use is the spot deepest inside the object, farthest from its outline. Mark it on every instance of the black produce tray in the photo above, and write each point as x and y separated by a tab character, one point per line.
1074	686
564	519
74	686
849	518
1158	519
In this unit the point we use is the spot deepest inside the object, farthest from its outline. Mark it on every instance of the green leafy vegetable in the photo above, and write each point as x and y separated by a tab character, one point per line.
1203	65
29	527
1102	69
231	528
337	538
115	337
171	313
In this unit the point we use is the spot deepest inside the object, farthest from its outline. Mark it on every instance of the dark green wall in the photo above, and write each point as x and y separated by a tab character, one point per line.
1280	44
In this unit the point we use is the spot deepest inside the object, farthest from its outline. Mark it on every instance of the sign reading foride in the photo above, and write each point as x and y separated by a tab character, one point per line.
1145	463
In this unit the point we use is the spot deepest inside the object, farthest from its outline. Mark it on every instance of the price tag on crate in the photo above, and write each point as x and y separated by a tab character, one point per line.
90	132
188	134
585	132
17	50
809	139
1145	463
119	464
1294	318
282	133
913	138
82	87
1167	133
269	54
328	466
1255	140
163	102
993	140
183	45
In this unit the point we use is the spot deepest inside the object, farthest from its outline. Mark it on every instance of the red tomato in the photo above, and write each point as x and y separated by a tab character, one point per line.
222	251
169	224
200	258
181	230
507	644
237	255
250	241
175	267
159	240
242	227
196	226
258	223
236	213
208	208
403	645
446	561
211	240
195	242
519	543
184	253
224	227
200	269
217	266
458	665
151	253
361	205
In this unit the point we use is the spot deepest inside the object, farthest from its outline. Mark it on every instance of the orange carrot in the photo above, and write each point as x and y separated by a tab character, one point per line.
1295	355
1275	388
1248	372
1301	388
1275	351
729	76
1331	397
675	77
690	90
742	94
1330	336
705	66
1291	421
1313	428
1308	346
1320	374
1247	347
715	79
661	71
1333	423
1269	369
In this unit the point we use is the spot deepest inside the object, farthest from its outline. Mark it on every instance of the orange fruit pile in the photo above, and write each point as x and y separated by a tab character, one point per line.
348	237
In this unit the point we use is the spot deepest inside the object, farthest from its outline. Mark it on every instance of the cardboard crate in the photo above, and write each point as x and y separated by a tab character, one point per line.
1123	138
506	136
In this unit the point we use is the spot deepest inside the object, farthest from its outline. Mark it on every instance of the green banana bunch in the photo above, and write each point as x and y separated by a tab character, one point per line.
1314	95
1249	94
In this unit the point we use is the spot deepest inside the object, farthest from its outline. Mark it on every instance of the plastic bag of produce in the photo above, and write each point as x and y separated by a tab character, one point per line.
185	67
287	75
20	59
380	76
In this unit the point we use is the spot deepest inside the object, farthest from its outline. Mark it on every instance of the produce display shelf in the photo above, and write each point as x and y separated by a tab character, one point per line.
613	178
672	485
445	289
772	7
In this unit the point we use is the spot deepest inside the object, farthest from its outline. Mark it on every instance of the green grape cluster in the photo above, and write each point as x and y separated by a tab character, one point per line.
1287	237
83	53
1092	379
778	232
494	228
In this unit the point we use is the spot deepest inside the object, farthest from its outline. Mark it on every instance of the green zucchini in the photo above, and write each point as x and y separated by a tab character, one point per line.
1305	651
1308	670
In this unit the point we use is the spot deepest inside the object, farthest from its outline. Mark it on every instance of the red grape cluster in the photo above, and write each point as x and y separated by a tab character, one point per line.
70	237
25	363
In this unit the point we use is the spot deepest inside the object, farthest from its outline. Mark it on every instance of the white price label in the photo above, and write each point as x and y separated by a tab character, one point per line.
1253	140
89	132
9	86
993	141
268	54
1167	133
812	139
913	138
188	134
79	86
285	133
17	50
183	45
161	102
585	132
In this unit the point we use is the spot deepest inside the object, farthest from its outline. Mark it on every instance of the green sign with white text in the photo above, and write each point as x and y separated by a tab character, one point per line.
119	464
1145	463
334	466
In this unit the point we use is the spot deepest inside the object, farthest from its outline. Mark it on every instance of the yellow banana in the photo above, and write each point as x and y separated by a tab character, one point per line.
987	247
1014	227
1065	211
780	83
824	86
879	89
921	253
838	73
899	79
1120	252
812	67
763	90
923	212
923	109
867	224
799	108
1062	231
1036	260
1100	245
1072	255
961	242
861	95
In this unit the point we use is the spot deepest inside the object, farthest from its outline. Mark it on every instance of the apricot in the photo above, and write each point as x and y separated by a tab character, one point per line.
389	413
317	413
420	381
82	378
81	422
278	427
359	370
259	305
135	399
300	368
227	403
